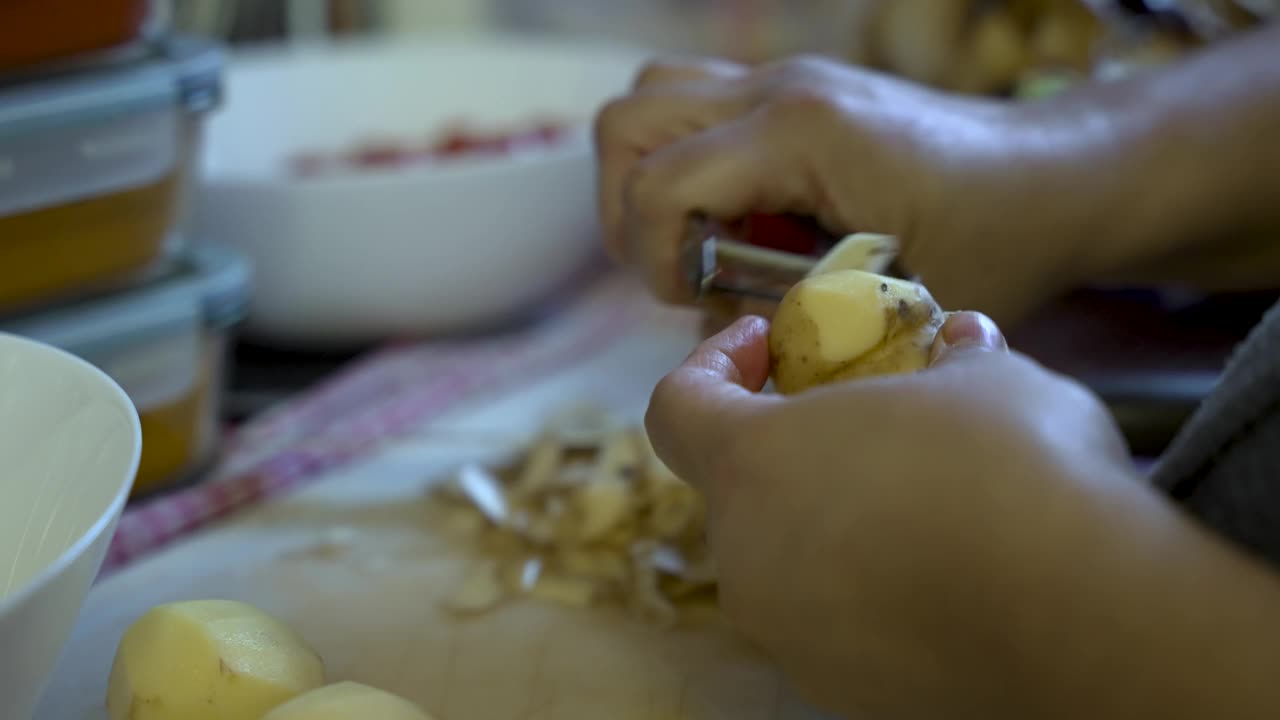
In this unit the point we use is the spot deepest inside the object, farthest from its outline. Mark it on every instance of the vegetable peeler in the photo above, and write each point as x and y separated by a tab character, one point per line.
719	262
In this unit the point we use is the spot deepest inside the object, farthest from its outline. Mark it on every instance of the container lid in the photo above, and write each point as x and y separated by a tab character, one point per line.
182	71
209	288
92	133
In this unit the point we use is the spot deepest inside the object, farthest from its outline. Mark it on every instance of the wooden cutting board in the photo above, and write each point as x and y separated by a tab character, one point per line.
353	563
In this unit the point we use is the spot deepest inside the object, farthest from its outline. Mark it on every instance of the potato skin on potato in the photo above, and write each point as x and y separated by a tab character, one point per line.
849	324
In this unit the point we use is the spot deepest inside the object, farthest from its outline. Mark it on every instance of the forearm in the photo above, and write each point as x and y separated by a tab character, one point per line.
1174	176
1128	609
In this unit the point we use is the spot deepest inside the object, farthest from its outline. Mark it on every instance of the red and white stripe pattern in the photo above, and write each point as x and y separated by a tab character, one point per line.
389	394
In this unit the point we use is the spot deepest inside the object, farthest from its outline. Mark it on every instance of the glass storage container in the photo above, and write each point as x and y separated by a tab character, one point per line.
94	167
163	341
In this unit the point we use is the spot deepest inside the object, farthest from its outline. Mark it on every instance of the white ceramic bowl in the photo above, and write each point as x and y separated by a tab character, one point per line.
437	248
69	446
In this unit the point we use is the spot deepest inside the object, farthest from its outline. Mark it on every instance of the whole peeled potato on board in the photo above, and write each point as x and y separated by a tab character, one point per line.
848	324
208	660
347	701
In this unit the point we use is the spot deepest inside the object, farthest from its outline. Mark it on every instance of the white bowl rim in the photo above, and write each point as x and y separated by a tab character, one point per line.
442	38
52	570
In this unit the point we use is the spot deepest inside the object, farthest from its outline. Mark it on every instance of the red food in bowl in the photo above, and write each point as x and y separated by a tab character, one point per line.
380	154
455	143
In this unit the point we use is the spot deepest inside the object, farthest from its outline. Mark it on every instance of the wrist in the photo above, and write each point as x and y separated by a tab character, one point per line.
1160	178
1123	582
1100	183
1024	194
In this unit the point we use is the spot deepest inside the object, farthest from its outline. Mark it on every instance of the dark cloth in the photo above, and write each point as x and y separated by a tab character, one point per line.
1224	465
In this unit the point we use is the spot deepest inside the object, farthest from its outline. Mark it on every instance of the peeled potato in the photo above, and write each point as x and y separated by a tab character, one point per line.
847	324
347	701
208	660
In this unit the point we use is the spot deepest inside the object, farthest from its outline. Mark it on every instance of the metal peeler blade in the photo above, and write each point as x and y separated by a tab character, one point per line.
719	264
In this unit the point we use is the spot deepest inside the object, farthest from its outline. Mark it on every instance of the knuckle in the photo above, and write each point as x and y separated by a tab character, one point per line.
610	117
643	185
655	71
806	100
798	90
797	70
664	71
805	66
799	106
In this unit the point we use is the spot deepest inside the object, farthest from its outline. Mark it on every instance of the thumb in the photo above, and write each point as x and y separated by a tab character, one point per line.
963	334
697	410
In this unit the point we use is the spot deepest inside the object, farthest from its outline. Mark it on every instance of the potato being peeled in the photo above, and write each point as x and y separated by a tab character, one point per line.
208	660
347	701
848	324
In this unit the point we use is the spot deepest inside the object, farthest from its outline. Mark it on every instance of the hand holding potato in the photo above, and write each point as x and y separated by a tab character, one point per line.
906	545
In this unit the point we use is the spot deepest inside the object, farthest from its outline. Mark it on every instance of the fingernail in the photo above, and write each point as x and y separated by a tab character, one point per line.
969	328
966	330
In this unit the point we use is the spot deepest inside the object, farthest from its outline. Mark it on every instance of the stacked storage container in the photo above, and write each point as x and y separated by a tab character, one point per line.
100	127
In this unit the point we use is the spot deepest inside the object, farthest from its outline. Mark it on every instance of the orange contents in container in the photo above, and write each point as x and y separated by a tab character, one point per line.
36	31
169	439
178	435
47	252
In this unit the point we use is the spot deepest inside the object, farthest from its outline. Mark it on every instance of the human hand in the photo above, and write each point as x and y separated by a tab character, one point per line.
967	541
984	220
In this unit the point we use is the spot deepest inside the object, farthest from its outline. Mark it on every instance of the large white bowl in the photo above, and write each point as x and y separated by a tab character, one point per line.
432	249
69	446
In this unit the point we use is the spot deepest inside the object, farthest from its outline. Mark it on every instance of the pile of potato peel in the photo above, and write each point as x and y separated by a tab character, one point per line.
587	516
